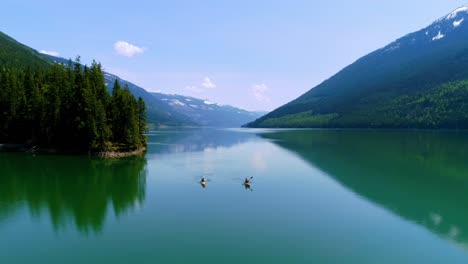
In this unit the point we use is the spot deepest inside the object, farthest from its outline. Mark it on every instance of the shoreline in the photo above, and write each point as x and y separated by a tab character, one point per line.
42	150
118	154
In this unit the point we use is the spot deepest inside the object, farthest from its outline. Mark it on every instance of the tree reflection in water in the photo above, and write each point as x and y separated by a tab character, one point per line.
71	189
421	176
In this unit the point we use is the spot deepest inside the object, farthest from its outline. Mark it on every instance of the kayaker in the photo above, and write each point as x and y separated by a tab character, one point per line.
203	181
246	181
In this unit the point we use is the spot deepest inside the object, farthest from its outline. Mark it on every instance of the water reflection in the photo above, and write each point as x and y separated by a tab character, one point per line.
195	140
77	190
421	176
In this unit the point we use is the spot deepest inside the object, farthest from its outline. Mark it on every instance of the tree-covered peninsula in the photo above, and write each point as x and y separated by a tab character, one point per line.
68	108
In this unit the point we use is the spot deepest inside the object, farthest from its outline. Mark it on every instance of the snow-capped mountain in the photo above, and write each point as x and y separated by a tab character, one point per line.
448	26
156	114
178	110
207	113
184	110
416	81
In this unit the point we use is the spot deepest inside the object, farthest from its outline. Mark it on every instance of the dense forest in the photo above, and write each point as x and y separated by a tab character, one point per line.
417	81
444	106
68	107
15	54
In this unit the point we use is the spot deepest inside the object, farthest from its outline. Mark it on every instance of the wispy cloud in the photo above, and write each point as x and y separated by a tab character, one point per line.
49	52
259	92
208	83
126	49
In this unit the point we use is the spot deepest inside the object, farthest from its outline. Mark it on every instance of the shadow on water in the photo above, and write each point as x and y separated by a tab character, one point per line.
70	189
420	175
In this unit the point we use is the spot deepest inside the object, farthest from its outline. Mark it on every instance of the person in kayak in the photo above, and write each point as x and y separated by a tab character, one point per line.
246	181
203	181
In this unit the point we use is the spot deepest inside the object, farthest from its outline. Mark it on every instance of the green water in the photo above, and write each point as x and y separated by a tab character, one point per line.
317	196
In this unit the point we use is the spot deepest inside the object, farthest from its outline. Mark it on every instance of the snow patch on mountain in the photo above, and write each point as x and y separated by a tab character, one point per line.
393	47
455	13
439	36
176	102
458	22
208	102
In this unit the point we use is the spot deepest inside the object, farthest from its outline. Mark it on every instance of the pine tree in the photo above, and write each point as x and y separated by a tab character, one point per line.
69	107
142	120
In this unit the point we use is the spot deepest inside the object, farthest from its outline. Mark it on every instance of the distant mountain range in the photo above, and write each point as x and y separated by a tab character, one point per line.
417	81
206	113
157	112
161	109
179	110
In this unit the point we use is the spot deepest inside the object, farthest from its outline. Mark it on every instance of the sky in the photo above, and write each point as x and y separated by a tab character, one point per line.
253	54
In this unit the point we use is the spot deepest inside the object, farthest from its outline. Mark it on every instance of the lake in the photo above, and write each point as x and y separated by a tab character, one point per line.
317	196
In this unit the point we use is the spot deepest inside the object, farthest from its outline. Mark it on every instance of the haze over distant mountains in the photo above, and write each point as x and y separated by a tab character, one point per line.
176	110
159	110
207	113
417	81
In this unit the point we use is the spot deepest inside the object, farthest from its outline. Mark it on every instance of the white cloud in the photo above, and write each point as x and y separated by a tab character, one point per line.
259	92
51	53
126	49
205	85
208	84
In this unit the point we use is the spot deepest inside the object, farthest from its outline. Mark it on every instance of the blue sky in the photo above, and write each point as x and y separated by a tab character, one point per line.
256	55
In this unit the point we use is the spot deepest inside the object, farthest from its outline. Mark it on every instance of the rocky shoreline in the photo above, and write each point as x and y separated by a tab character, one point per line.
118	154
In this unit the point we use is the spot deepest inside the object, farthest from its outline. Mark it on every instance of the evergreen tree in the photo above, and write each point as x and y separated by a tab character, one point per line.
68	107
142	120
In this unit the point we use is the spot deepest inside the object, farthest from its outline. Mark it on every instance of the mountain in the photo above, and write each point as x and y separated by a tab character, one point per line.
417	81
157	112
15	54
162	109
206	113
179	110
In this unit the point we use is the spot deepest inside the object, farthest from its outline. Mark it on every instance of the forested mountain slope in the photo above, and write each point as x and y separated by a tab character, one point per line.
417	81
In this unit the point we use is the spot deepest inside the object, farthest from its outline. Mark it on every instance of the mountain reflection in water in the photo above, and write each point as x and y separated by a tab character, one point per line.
420	175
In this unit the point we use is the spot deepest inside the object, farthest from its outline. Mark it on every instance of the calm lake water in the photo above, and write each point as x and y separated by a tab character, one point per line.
317	196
